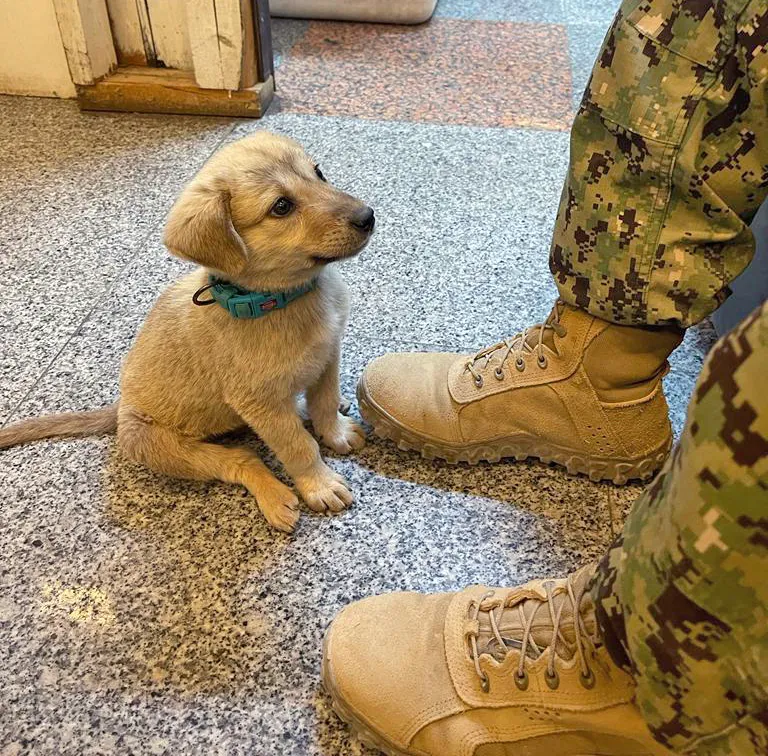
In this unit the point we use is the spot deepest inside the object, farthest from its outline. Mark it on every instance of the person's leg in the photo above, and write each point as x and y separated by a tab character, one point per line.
668	163
683	593
664	644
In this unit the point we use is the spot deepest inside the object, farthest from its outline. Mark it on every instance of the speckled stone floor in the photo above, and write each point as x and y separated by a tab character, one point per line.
143	615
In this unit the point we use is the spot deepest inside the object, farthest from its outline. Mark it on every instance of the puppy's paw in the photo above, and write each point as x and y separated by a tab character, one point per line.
325	491
280	506
345	436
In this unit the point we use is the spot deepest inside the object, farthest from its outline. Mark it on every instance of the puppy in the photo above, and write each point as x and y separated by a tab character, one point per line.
259	215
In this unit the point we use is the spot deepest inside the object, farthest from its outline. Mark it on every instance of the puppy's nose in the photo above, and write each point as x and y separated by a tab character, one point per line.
364	219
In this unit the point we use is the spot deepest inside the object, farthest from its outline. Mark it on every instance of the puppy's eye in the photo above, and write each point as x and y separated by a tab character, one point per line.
320	173
282	207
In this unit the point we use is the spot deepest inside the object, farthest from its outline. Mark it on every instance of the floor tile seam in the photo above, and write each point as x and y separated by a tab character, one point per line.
427	124
99	300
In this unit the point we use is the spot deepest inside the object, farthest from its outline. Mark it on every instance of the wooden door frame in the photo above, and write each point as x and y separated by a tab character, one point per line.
231	49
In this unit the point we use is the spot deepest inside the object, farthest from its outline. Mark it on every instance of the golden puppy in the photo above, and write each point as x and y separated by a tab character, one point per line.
261	216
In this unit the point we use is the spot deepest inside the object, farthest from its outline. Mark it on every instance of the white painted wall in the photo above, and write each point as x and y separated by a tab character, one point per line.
32	60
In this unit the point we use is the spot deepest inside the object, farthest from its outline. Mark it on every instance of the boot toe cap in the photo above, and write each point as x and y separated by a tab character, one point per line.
384	662
411	390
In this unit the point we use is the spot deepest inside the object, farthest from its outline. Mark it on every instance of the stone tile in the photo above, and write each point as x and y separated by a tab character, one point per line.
411	73
43	306
135	603
70	176
78	192
139	604
464	219
685	363
86	373
141	613
599	11
620	503
146	615
286	32
550	11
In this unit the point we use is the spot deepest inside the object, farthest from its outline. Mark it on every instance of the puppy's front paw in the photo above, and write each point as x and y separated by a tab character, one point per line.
280	506
345	436
325	491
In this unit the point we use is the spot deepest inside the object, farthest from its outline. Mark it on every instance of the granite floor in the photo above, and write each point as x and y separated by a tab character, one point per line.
143	615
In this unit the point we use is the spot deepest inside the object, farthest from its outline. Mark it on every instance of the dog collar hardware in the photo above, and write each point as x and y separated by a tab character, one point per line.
241	303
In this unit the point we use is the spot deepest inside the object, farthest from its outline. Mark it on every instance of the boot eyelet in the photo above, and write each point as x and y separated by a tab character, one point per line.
485	683
553	680
479	381
542	361
520	364
588	680
499	373
521	680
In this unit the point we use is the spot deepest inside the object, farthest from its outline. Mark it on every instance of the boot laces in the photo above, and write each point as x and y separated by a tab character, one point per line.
528	608
529	341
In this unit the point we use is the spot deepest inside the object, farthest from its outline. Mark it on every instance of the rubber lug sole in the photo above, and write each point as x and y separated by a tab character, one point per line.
617	471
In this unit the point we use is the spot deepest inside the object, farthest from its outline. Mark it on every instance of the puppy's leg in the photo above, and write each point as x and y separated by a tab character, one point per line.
170	453
335	430
281	428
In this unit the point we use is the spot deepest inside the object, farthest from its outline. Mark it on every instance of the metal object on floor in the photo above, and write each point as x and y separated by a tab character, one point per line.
379	11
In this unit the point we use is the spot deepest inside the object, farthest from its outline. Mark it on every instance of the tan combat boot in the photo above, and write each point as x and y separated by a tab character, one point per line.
578	391
483	672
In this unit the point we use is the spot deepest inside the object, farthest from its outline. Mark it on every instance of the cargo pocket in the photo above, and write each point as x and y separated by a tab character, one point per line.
657	62
702	31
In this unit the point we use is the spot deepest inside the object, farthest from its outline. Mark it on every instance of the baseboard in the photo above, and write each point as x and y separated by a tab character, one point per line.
141	89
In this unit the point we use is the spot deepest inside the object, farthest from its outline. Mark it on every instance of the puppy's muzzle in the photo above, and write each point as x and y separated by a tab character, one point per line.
363	220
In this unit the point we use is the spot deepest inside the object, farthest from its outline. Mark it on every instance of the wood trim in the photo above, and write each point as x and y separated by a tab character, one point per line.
163	90
146	32
127	33
216	36
265	59
166	23
87	38
249	73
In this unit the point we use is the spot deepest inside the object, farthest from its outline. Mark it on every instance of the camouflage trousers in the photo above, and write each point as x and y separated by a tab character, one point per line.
682	594
668	162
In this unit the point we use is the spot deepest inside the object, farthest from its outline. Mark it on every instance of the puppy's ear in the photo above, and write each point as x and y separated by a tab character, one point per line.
199	228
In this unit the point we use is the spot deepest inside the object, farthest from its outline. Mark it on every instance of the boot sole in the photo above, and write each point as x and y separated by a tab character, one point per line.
360	730
618	471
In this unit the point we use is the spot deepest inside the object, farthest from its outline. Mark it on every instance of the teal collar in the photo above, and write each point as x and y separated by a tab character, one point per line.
242	303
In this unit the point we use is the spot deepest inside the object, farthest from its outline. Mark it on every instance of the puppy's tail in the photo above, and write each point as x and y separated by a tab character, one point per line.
98	421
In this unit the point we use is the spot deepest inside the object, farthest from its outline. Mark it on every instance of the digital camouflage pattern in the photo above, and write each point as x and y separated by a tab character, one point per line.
683	592
669	162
